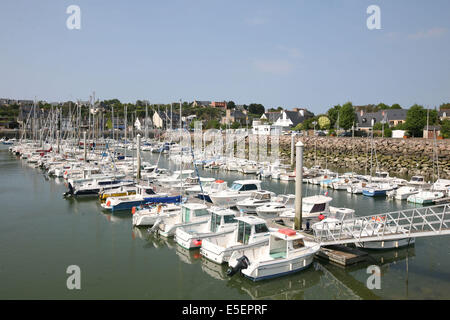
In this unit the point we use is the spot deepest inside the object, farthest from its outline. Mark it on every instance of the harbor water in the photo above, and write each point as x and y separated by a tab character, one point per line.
42	234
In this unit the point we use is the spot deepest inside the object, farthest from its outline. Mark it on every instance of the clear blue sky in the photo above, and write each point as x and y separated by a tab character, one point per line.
312	54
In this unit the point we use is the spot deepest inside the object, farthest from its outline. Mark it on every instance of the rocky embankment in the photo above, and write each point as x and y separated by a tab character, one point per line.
400	157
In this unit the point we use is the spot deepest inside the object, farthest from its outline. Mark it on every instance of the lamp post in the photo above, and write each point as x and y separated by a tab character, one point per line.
314	124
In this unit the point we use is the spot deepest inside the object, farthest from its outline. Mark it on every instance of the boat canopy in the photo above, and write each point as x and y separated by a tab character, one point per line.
251	220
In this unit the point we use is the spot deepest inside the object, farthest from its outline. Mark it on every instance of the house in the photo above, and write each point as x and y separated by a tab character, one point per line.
216	104
391	117
234	116
287	119
444	114
394	116
430	132
198	103
164	120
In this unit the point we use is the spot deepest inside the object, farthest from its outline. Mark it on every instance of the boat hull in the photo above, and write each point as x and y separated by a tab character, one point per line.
384	245
279	269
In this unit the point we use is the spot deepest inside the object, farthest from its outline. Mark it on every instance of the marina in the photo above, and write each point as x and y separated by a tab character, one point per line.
145	236
217	153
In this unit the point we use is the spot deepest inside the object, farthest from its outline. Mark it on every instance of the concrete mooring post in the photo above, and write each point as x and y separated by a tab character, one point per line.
292	148
298	185
138	173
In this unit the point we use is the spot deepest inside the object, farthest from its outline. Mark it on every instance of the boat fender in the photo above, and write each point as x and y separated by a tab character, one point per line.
321	217
108	203
133	210
242	263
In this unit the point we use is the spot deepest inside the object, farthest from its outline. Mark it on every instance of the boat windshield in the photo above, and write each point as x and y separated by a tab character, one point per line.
201	212
244	230
417	179
290	202
312	208
229	219
236	186
215	222
261	228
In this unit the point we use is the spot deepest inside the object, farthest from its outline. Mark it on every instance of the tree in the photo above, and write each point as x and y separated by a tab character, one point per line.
212	124
231	105
378	126
307	124
382	106
109	124
256	108
416	119
347	116
235	125
396	106
445	128
333	114
324	122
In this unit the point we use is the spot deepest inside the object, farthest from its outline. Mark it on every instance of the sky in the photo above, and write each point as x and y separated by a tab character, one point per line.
312	54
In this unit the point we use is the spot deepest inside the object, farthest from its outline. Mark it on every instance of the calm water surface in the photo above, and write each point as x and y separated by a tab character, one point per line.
41	234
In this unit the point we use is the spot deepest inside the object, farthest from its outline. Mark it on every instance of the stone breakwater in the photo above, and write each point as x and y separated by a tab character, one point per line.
400	157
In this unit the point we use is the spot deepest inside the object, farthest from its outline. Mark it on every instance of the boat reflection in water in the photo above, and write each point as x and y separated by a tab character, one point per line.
116	216
153	240
291	287
188	256
337	280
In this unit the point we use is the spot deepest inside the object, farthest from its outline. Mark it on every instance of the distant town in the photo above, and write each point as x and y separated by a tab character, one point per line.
343	120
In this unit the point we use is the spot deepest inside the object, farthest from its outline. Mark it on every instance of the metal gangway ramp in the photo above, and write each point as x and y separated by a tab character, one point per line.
403	224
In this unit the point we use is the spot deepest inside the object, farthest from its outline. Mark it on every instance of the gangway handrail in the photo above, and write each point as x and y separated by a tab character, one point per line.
409	223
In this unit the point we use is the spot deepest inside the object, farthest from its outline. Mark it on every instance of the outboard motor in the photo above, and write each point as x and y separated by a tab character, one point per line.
155	226
242	263
70	192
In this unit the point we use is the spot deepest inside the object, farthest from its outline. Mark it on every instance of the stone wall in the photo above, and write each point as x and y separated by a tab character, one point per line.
400	157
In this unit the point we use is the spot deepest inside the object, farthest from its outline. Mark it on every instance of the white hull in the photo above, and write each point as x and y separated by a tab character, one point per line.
383	245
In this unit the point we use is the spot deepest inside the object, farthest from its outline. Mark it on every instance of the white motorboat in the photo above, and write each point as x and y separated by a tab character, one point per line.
257	199
344	183
274	208
252	232
190	183
177	177
239	190
425	197
221	221
317	208
147	215
216	186
249	169
418	182
205	185
287	252
155	174
191	214
402	193
288	176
